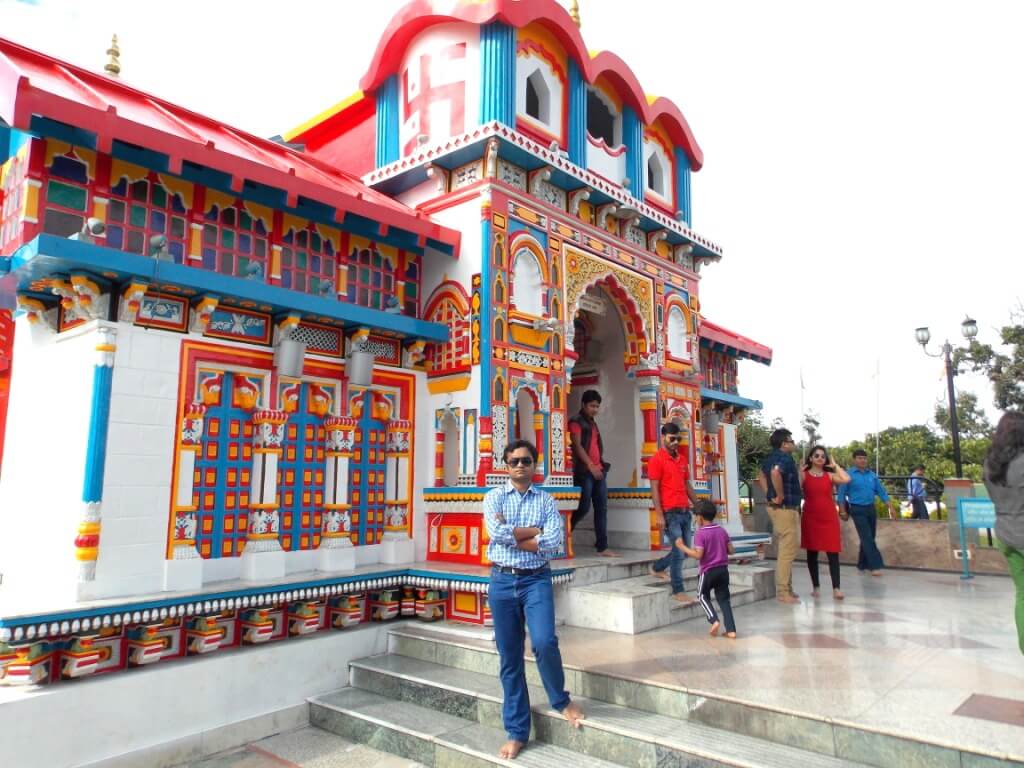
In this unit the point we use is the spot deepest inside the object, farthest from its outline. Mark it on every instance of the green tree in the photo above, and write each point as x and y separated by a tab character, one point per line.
752	442
1004	369
971	419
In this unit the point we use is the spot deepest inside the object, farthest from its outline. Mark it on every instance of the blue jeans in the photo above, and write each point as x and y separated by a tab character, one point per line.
518	602
678	524
866	520
595	491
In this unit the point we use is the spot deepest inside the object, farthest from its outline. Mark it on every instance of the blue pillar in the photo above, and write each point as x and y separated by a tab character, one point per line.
633	138
498	74
577	116
387	122
683	185
486	316
87	543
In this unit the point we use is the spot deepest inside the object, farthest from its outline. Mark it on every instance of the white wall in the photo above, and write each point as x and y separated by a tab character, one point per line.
44	460
140	459
442	71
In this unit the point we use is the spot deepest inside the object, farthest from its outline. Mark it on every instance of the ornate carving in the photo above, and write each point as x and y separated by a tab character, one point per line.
512	174
557	460
499	434
465	175
192	424
491	159
440	177
655	237
132	300
576	197
269	431
202	313
38	314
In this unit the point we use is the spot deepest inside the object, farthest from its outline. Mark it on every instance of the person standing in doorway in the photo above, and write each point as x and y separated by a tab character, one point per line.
525	530
673	499
859	496
915	492
1004	479
590	470
780	480
819	525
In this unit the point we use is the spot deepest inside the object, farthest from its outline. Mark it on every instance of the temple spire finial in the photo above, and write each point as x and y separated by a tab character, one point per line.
574	12
113	65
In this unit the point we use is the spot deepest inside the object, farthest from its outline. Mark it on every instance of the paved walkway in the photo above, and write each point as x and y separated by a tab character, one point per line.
921	654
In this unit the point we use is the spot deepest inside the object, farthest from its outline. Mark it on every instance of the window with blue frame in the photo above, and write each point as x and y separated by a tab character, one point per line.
235	242
308	262
66	193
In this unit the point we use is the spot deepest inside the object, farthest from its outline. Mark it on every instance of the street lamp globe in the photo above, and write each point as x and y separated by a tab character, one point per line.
923	336
969	328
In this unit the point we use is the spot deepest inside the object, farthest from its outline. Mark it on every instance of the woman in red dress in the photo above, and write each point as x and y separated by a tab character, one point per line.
819	525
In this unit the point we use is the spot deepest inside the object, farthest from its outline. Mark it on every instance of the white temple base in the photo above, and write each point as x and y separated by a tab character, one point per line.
397	551
261	566
338	559
183	575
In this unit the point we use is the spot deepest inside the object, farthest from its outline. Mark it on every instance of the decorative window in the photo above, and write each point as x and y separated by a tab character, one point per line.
301	474
499	330
67	197
499	291
556	397
678	338
222	476
499	390
655	175
453	355
308	262
538	97
371	278
527	283
12	174
140	210
602	121
412	285
658	169
235	243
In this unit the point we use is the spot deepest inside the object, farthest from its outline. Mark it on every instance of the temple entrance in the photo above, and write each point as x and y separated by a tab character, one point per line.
600	341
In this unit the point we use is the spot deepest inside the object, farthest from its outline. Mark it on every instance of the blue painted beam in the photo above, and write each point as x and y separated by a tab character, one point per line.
48	254
706	393
683	204
577	115
633	138
498	73
387	122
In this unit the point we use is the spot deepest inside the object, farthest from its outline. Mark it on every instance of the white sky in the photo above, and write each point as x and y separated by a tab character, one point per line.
863	160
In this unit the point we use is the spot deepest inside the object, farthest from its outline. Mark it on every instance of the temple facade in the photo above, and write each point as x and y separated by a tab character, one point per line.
237	371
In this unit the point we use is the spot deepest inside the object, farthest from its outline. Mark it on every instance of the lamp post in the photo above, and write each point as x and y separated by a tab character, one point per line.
969	329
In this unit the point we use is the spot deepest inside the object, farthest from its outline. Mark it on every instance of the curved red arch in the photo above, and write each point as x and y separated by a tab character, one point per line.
419	15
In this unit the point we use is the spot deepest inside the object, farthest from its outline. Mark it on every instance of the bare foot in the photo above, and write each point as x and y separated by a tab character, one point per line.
608	553
658	574
510	749
714	629
815	593
682	597
876	573
793	599
731	635
573	712
837	595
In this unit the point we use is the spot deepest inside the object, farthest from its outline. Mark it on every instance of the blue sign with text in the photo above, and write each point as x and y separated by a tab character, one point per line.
973	513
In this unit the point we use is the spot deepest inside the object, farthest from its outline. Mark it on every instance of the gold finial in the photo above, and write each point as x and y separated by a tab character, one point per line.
113	65
574	12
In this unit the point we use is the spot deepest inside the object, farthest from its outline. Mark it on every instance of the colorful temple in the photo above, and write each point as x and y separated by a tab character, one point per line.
236	372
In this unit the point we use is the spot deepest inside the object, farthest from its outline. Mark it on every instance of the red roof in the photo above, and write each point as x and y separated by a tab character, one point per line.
32	83
419	15
746	347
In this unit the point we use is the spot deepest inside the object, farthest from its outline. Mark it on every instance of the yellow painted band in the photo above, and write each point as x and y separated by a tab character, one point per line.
88	528
86	554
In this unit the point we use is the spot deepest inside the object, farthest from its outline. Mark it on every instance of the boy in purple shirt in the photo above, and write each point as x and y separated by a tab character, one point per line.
712	547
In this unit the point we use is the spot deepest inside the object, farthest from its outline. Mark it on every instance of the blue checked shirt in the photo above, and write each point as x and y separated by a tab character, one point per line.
505	509
790	478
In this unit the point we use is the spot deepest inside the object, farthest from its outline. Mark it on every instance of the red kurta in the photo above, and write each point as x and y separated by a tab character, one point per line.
819	525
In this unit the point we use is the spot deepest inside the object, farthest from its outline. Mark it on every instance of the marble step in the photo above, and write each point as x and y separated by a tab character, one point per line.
428	736
626	736
805	730
634	605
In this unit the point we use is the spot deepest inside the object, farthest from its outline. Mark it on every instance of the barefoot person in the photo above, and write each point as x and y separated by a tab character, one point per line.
819	524
712	547
780	480
526	531
673	498
590	470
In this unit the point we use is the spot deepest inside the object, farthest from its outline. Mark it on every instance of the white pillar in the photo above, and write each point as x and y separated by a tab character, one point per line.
263	557
396	544
336	552
184	569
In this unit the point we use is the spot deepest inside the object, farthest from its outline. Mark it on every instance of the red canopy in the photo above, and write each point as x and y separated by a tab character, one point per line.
716	334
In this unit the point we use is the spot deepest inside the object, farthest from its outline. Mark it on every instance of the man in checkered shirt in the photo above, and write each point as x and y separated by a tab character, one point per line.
525	531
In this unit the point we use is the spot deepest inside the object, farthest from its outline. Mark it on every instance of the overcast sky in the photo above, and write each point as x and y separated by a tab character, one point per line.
863	160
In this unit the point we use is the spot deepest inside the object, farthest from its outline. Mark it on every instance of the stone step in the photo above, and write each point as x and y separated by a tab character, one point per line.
633	605
428	736
626	736
804	730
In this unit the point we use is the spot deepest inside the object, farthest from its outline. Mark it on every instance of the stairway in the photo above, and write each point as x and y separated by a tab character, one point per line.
436	698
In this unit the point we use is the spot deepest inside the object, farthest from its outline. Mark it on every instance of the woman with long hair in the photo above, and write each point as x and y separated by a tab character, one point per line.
819	524
1004	478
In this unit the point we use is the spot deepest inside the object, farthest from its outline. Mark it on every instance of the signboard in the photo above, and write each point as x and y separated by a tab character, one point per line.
973	513
593	304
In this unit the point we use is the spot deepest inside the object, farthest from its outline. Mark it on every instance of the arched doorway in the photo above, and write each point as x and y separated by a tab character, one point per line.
600	340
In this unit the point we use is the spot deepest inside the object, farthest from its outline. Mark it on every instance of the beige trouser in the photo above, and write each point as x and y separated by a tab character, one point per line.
786	522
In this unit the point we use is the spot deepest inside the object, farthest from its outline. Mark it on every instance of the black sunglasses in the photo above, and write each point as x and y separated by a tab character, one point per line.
516	461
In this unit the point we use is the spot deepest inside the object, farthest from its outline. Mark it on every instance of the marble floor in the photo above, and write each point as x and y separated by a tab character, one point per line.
303	748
